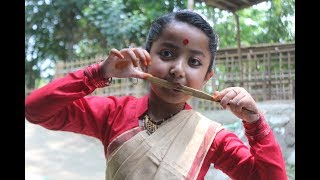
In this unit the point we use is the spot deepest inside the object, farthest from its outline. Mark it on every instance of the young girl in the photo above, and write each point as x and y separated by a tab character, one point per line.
159	136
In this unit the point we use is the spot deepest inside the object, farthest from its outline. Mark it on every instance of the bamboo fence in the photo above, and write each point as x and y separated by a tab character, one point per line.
266	71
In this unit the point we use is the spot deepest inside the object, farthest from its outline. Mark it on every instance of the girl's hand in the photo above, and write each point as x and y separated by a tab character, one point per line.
125	63
239	102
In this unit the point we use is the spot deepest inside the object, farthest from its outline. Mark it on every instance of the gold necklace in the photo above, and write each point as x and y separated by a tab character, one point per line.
152	126
149	125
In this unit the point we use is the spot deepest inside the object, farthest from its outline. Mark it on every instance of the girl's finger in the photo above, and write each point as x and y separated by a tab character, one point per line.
225	91
139	74
148	57
237	103
117	53
141	55
133	57
238	97
216	96
229	95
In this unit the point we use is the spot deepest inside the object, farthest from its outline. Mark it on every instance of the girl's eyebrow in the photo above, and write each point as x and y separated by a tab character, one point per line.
173	46
197	52
169	45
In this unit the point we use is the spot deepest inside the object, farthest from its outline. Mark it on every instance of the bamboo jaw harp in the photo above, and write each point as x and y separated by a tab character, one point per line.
184	89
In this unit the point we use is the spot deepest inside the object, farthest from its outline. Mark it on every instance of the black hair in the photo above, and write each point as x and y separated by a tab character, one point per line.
189	17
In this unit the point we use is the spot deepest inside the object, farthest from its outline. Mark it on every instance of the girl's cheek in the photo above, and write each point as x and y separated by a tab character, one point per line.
156	70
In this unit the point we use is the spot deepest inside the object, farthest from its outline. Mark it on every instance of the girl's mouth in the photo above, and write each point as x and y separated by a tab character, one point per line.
177	87
177	90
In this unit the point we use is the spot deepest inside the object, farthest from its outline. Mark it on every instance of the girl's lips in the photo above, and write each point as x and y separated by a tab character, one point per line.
177	90
178	87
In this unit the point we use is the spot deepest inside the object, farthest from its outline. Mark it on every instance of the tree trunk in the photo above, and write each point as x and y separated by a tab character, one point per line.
190	4
239	46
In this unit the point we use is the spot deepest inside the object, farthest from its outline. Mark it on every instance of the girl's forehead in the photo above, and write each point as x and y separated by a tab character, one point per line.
183	27
184	34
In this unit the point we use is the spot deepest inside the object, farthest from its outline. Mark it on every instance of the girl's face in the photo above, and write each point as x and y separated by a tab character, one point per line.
180	55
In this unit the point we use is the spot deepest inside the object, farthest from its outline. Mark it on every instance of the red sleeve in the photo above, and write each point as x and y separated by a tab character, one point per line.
62	105
263	160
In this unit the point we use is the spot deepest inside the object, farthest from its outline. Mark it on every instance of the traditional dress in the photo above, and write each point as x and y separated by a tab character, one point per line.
183	147
176	150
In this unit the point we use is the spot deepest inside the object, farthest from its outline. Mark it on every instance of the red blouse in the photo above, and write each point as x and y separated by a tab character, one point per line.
63	105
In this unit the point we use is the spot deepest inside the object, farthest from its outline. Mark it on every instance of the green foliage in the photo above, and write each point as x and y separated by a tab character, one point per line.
80	29
258	25
51	30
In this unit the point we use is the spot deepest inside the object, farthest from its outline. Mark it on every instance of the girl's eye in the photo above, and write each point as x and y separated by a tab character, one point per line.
166	54
194	62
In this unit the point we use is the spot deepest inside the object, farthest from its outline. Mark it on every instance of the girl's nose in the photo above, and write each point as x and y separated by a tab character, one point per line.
178	69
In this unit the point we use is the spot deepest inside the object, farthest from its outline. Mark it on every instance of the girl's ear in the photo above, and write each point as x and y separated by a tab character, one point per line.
208	76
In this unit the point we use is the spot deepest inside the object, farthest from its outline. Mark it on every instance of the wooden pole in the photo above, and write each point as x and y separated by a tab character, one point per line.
239	46
190	4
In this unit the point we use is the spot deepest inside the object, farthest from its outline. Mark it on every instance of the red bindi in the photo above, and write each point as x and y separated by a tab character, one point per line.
185	41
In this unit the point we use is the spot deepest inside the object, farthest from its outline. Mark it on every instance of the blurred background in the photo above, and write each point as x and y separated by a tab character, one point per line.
256	51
